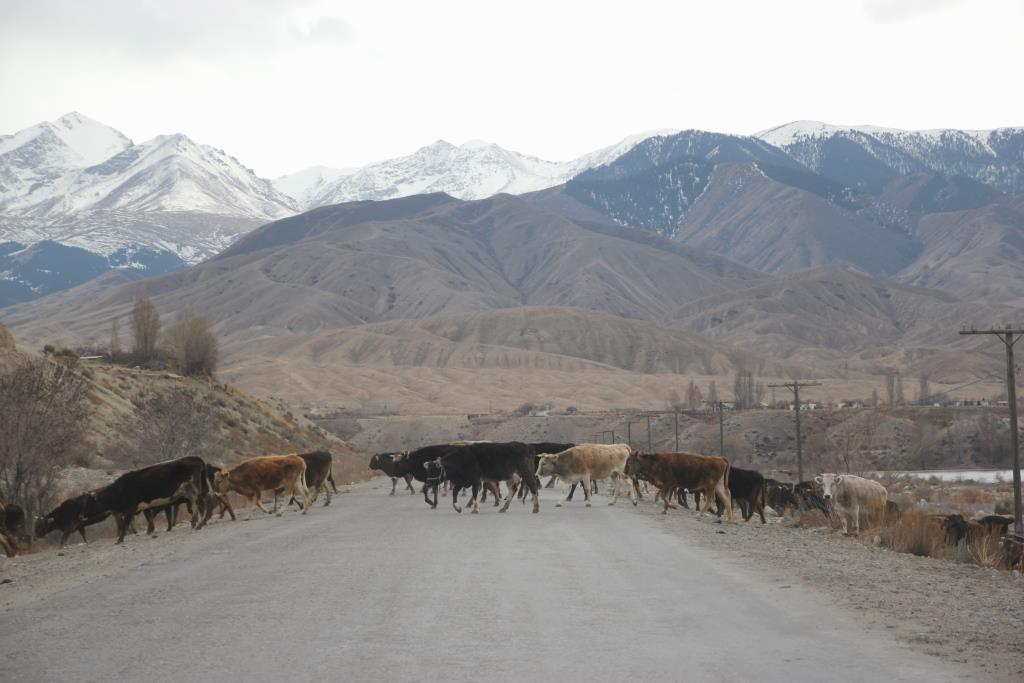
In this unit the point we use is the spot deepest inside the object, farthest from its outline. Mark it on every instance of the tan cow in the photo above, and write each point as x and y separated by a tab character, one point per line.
250	478
585	462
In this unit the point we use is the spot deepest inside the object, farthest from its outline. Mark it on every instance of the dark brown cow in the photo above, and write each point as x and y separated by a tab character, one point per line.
673	471
319	477
155	486
250	478
387	463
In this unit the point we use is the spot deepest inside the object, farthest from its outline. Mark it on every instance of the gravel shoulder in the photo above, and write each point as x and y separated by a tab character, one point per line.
962	613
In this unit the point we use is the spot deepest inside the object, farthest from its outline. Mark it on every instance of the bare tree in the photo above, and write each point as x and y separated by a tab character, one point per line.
743	389
693	396
712	392
923	395
899	390
674	401
890	388
165	426
146	328
191	344
115	338
42	428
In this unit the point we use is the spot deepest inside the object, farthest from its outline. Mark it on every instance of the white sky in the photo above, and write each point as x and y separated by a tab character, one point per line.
285	85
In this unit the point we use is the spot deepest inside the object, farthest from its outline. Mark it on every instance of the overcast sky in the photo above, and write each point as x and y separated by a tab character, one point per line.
285	85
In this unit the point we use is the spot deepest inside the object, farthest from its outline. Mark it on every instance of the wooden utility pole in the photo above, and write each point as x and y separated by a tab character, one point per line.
795	387
676	416
650	448
1009	337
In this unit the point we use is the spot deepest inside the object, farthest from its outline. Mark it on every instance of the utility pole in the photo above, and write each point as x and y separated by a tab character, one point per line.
676	415
795	387
1009	337
629	433
650	448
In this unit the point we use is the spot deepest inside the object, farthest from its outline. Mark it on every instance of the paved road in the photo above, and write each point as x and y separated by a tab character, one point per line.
380	588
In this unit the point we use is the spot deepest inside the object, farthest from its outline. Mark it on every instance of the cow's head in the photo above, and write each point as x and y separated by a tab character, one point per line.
546	465
637	464
376	460
45	525
220	482
828	483
434	468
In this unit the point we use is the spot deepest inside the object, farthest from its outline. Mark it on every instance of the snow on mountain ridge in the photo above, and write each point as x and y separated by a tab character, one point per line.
472	170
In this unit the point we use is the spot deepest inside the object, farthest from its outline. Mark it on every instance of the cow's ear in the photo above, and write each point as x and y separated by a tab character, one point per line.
838	478
819	479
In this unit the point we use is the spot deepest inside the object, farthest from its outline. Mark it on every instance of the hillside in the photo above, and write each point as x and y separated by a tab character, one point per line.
243	425
843	317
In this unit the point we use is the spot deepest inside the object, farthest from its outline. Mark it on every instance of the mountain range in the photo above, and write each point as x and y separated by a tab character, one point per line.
807	249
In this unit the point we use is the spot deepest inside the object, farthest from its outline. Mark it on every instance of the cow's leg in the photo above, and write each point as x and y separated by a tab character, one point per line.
566	491
665	495
586	491
513	486
455	497
856	518
327	493
308	495
551	482
615	488
572	490
227	507
534	484
474	501
426	493
394	483
122	524
65	534
171	513
722	493
408	484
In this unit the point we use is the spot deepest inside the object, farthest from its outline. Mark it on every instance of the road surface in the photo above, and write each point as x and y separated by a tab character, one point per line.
379	588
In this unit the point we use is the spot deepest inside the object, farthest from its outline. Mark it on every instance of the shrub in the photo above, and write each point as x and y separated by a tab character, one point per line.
918	534
192	345
42	427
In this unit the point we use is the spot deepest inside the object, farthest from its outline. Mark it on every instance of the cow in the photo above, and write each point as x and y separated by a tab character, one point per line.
214	499
511	462
250	478
583	464
996	525
957	528
848	493
747	487
672	471
387	463
155	486
803	496
412	464
318	476
73	514
460	467
210	501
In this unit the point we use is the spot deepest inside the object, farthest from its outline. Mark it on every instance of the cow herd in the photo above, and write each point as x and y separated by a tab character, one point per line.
191	482
480	467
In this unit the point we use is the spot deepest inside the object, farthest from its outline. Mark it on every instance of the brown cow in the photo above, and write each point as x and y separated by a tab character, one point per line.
672	471
250	478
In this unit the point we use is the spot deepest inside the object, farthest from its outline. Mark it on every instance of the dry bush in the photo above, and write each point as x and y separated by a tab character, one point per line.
146	330
916	533
42	427
165	426
191	344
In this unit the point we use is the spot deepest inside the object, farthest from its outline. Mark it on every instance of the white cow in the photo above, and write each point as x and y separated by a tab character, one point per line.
849	493
585	462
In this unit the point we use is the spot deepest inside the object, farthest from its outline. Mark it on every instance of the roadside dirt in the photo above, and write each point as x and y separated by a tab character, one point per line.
960	612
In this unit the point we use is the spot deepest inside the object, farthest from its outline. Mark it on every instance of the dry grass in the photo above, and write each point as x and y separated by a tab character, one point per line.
916	533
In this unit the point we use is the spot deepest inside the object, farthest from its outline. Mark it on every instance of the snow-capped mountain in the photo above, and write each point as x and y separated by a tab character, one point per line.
78	197
34	158
303	185
473	170
868	157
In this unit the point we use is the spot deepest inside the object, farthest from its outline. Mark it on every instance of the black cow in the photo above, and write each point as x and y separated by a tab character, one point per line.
155	486
460	467
74	514
512	462
996	525
748	489
803	496
173	509
412	465
387	463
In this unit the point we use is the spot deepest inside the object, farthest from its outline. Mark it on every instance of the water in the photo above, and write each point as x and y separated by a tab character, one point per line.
981	476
